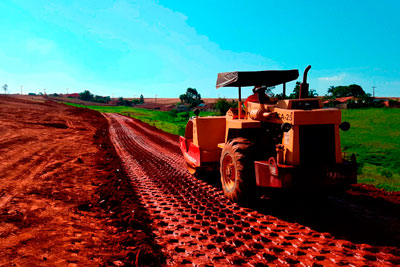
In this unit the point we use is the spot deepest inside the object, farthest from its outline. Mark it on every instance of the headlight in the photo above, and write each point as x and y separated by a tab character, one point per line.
344	126
285	127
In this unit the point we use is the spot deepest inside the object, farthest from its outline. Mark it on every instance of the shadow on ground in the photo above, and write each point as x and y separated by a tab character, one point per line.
356	218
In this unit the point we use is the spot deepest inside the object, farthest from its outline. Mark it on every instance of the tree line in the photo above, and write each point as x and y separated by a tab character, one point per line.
87	96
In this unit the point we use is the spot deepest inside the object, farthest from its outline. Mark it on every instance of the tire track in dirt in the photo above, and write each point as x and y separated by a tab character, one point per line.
32	162
196	224
38	161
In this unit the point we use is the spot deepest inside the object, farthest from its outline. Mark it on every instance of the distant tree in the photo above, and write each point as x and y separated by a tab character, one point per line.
356	90
120	101
101	99
183	97
312	93
296	91
124	102
191	97
141	100
331	89
343	91
5	88
224	105
86	95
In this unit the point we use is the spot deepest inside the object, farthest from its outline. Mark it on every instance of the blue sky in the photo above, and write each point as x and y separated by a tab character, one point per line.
127	48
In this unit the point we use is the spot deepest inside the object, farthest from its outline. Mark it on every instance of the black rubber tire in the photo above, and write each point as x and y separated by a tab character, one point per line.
237	170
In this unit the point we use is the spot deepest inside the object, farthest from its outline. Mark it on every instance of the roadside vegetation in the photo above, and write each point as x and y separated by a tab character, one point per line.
169	121
87	96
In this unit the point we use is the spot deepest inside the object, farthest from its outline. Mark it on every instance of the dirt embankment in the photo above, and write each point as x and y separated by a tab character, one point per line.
64	200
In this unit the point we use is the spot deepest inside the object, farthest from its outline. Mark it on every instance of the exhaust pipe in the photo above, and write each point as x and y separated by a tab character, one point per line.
303	93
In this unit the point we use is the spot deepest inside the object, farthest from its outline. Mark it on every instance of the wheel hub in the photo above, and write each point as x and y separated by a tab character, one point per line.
229	174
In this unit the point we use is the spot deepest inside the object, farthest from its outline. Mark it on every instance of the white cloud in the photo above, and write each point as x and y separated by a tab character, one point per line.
336	78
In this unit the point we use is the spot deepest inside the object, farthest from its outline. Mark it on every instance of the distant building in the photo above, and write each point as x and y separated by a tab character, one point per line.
390	102
73	95
340	102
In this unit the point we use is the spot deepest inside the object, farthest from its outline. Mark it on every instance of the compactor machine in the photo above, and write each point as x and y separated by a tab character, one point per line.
266	142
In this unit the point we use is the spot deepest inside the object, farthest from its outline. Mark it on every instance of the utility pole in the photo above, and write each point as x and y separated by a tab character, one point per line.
21	89
373	91
155	99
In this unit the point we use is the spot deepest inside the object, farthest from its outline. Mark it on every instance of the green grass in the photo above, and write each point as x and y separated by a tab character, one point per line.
170	122
374	137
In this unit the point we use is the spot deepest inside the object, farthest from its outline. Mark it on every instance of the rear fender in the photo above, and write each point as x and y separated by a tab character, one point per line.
190	151
268	174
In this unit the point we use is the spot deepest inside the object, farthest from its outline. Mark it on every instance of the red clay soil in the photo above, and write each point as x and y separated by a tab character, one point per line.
68	198
375	193
196	225
64	200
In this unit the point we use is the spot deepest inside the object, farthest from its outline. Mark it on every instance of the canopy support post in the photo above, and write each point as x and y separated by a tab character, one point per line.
284	91
240	103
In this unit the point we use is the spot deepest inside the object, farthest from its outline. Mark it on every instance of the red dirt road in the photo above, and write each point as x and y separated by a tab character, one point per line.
195	224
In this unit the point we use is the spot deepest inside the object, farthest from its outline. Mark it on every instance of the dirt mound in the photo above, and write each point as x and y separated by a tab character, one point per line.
62	202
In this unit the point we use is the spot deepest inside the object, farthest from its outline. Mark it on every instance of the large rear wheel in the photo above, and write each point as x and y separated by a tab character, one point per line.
237	170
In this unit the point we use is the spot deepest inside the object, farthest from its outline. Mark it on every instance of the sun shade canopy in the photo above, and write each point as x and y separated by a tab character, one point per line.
251	78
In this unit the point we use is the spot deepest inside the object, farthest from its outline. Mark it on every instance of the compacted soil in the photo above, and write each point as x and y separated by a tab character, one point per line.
80	188
196	225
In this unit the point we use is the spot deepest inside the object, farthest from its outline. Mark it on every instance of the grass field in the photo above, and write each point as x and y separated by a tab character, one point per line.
374	137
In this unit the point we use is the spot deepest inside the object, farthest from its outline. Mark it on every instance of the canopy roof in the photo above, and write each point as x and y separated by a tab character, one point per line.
251	78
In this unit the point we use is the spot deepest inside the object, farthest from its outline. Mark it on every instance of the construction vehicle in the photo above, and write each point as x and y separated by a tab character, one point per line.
287	143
